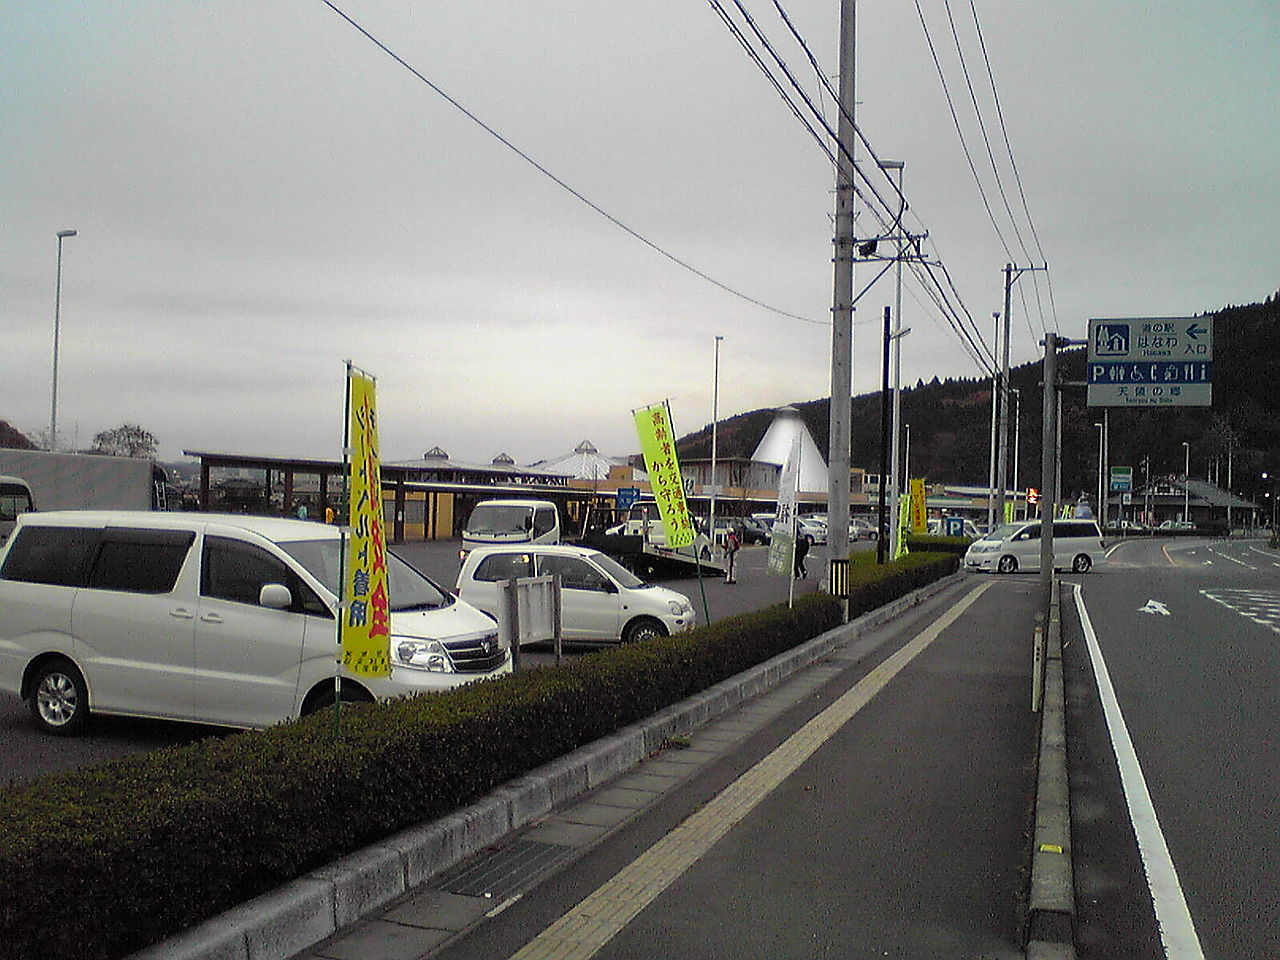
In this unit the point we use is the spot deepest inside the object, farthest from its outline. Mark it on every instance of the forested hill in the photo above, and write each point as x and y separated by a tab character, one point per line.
951	419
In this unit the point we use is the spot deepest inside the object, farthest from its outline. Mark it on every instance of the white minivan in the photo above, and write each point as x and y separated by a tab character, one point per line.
600	600
1077	546
214	618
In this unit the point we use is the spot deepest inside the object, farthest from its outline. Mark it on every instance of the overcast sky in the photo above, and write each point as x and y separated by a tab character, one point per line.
261	193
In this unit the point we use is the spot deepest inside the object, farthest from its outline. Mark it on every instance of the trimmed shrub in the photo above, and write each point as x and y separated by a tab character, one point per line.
102	861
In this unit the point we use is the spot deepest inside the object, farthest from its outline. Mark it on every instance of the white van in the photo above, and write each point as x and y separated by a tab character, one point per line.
213	618
15	500
495	522
600	600
1077	546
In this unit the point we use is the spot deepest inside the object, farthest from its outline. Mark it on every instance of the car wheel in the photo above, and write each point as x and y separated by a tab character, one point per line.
59	699
643	629
1081	564
322	699
1007	564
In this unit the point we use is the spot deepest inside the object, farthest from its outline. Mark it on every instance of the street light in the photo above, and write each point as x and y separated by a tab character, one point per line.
57	324
1017	437
1186	481
898	333
1100	514
715	417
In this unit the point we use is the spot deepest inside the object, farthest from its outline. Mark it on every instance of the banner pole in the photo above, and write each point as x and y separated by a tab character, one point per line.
697	554
342	548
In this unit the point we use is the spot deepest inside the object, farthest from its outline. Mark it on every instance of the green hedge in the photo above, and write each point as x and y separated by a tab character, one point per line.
102	861
930	544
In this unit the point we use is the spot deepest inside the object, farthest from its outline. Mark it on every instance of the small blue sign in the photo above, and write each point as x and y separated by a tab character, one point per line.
1111	340
627	496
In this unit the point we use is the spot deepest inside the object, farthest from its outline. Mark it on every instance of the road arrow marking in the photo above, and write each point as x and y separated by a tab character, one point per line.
1155	606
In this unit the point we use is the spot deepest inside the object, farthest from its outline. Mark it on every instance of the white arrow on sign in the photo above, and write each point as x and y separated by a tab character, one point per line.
1155	606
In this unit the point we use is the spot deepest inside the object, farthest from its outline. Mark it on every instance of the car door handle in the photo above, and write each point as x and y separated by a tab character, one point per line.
210	618
182	613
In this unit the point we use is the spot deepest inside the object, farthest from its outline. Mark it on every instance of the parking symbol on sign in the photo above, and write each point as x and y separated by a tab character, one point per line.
1111	340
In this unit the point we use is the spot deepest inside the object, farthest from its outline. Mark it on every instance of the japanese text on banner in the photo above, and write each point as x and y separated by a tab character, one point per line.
658	444
919	511
365	625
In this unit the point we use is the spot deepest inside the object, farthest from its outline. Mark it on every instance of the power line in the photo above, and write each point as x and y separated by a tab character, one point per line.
557	180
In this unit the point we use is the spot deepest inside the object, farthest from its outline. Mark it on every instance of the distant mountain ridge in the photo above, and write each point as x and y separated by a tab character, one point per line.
950	420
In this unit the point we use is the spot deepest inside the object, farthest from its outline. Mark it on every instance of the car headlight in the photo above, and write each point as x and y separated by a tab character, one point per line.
421	655
678	608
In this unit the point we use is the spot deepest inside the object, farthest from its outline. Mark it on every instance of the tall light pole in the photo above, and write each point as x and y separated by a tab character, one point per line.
1017	436
1186	481
715	419
1101	456
57	326
896	339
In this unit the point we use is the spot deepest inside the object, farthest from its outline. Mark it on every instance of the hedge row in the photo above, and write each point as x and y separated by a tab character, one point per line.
102	861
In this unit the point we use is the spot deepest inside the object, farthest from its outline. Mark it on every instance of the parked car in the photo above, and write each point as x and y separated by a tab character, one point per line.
813	530
1077	545
214	618
600	599
1176	525
753	531
1127	527
860	529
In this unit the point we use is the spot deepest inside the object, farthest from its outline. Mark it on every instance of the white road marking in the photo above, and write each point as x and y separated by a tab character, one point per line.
1177	929
1155	606
1224	556
1260	606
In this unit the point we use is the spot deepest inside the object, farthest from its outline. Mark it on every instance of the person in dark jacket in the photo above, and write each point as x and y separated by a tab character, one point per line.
802	550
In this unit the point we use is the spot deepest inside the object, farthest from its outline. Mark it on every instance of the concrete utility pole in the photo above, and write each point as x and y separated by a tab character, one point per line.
1011	275
995	402
1048	467
842	301
57	329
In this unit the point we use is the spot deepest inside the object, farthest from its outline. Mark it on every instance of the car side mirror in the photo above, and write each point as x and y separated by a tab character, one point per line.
275	596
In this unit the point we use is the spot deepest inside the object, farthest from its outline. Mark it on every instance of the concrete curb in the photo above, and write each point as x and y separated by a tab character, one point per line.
1051	904
292	918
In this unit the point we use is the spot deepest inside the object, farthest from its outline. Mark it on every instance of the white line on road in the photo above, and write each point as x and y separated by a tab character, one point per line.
1177	930
1224	556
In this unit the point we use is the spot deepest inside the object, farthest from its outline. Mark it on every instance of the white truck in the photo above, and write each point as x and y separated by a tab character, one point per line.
501	522
82	481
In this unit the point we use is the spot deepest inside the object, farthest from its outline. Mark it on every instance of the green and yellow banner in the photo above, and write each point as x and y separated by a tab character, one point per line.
365	618
658	444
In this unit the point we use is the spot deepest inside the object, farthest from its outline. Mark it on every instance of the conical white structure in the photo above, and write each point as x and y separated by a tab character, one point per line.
776	442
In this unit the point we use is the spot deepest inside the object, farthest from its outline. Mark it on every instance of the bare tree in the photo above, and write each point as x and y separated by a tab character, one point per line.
127	440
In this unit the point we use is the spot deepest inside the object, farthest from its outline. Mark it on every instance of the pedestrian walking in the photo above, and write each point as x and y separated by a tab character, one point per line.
802	550
731	545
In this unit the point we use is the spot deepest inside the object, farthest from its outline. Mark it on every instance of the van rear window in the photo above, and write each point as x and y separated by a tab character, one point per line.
59	556
140	561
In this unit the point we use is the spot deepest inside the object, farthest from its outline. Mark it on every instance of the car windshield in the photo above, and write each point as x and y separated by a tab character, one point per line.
1003	532
616	570
496	518
409	589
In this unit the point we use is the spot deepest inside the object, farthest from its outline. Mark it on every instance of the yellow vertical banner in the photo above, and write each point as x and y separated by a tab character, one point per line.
919	510
658	444
365	617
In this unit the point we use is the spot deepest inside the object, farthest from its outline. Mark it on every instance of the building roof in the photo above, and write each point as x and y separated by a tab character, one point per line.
584	463
776	443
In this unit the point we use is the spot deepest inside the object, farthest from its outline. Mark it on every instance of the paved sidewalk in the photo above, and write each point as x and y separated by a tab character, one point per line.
874	805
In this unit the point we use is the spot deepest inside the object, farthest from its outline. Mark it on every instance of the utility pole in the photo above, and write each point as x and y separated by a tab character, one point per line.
1048	467
995	401
842	301
1011	275
881	543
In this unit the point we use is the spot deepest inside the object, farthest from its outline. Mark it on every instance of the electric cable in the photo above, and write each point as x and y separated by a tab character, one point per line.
557	180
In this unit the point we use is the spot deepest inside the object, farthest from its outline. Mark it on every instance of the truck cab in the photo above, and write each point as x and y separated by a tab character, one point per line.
15	500
500	522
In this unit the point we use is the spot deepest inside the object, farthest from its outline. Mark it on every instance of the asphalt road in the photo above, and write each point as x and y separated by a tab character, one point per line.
25	752
1188	632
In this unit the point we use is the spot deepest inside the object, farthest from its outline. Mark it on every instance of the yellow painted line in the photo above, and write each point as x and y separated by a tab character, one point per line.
584	930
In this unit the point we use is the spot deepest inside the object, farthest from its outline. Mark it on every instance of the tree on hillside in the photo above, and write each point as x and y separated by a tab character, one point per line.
13	438
126	440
